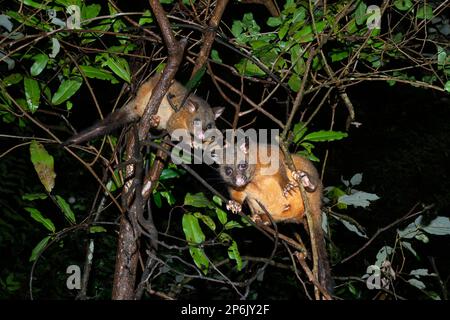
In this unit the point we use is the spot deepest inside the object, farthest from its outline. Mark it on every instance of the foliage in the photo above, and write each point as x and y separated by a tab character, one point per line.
63	59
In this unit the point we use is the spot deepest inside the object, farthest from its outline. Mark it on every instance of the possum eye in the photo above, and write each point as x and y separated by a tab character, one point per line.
242	166
196	122
228	171
209	126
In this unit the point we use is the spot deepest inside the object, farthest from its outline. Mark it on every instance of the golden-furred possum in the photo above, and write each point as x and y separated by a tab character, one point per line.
269	182
175	112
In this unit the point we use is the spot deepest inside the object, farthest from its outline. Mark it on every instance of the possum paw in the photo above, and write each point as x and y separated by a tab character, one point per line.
234	206
256	218
303	178
154	120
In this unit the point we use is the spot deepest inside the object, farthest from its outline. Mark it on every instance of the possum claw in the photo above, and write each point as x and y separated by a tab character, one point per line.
288	188
234	206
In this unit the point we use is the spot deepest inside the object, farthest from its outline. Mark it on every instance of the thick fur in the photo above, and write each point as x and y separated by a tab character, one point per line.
177	111
269	191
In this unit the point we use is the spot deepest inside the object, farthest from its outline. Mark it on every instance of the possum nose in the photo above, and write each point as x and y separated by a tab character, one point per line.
241	180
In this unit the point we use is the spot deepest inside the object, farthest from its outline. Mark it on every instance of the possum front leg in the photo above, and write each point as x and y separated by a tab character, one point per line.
234	206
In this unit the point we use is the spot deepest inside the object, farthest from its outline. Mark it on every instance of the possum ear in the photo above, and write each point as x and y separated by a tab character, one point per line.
244	145
192	108
218	111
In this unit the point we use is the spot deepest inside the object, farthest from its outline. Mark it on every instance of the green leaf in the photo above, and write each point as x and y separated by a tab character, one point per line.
168	173
146	18
120	67
96	229
43	164
441	56
217	200
90	11
34	196
245	220
421	273
37	215
248	68
11	284
325	135
410	231
38	249
215	56
195	79
56	47
169	197
274	21
338	56
206	220
417	283
237	28
352	27
65	207
360	13
97	73
334	193
195	235
383	255
99	29
5	23
66	90
34	4
308	155
225	238
356	179
221	215
232	224
233	253
298	131
200	258
192	229
409	247
32	93
283	31
40	62
12	79
403	5
425	12
447	86
198	200
294	82
306	34
439	226
157	199
358	199
299	62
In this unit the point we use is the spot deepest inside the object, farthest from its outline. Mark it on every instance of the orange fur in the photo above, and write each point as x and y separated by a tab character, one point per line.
268	190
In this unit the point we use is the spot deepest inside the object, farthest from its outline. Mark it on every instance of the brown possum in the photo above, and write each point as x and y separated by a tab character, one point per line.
175	112
277	191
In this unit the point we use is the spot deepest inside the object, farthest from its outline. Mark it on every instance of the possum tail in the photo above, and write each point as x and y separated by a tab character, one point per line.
113	121
324	272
